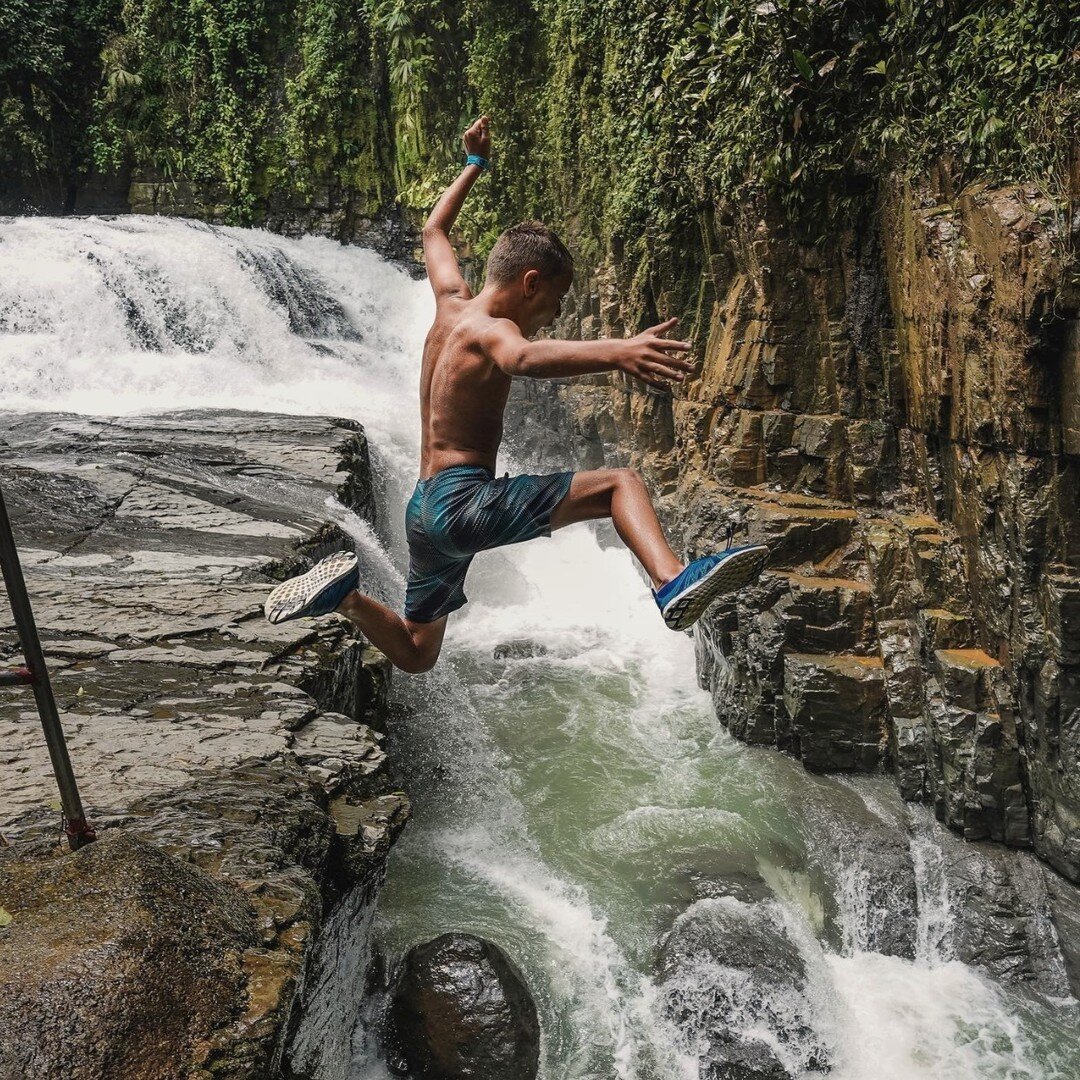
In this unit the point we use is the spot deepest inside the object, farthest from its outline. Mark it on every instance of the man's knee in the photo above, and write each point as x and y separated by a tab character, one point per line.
427	644
625	479
629	476
423	660
613	481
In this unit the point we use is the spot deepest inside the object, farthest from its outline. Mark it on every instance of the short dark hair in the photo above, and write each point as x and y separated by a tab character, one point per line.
528	246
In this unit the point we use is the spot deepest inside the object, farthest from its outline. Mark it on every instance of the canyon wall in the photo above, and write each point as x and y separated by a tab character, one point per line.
896	414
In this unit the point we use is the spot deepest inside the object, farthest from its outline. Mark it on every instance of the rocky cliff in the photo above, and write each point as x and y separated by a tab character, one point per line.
232	768
896	414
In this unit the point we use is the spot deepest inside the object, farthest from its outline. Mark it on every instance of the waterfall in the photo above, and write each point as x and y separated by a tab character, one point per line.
576	800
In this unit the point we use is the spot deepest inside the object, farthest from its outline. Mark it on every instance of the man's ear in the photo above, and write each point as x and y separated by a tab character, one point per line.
530	283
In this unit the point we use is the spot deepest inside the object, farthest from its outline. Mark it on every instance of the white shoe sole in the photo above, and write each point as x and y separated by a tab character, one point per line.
733	573
292	598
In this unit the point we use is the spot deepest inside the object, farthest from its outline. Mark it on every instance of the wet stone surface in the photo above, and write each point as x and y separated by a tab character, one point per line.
461	1010
240	749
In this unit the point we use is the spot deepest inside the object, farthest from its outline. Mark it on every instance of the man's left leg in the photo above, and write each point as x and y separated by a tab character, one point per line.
682	593
411	646
621	495
330	585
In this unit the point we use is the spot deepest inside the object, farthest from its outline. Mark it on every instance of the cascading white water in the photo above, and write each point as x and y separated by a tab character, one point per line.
573	803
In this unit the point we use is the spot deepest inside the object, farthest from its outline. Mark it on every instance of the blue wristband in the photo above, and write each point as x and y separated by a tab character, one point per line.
476	159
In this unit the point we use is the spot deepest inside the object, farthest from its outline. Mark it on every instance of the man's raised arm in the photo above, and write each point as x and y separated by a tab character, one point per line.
645	356
441	261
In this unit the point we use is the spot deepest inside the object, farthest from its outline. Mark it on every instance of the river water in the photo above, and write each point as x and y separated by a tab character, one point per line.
576	801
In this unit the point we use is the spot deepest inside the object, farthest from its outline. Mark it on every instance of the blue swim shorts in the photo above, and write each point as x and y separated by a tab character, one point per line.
460	511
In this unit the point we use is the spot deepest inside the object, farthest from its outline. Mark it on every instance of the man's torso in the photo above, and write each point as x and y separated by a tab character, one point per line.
462	393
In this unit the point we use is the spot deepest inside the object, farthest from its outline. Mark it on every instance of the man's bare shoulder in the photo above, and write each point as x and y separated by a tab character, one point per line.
469	328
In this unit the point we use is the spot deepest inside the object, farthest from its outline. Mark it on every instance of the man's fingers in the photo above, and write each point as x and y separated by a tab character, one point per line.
670	343
646	375
664	327
478	127
669	373
677	362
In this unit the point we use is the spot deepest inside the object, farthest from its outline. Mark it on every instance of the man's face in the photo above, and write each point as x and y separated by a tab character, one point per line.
546	300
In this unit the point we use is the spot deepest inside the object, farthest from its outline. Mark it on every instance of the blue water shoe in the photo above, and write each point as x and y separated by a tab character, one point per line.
318	592
683	600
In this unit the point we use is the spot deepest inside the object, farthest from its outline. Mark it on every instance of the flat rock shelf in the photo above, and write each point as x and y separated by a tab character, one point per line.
231	767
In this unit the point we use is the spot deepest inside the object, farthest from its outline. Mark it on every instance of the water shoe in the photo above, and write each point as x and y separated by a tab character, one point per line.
318	592
683	600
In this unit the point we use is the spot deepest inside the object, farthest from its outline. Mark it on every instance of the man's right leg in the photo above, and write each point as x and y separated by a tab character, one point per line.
683	593
411	646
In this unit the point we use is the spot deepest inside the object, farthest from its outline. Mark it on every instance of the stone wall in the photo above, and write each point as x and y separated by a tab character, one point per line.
350	217
895	413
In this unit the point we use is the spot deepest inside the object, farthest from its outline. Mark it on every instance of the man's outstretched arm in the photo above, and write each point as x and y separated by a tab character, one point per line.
647	356
441	261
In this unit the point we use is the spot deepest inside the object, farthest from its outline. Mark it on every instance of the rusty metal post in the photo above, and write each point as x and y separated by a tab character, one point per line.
36	676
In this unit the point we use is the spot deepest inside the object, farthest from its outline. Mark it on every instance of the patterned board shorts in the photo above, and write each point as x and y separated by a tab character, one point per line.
460	511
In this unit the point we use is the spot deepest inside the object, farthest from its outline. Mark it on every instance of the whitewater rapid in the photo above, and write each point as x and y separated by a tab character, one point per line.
561	795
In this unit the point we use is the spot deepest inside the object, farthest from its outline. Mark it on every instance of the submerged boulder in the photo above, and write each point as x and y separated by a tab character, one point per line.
734	983
519	649
461	1010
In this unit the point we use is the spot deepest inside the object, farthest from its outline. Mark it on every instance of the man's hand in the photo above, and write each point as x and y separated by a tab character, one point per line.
477	138
439	256
646	356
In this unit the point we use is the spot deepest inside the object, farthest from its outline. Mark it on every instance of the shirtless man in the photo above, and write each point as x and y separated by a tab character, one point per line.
476	345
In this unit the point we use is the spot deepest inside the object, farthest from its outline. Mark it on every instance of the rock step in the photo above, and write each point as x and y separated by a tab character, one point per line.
837	708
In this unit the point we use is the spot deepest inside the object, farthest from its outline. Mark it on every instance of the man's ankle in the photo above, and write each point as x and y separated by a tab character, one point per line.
659	583
346	603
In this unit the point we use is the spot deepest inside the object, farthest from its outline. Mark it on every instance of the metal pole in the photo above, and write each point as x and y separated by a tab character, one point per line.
78	830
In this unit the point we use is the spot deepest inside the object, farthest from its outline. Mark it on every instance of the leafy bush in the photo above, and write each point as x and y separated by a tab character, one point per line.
48	68
626	115
261	97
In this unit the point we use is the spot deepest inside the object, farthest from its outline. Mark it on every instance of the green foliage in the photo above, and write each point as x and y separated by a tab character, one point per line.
621	118
447	64
260	96
48	66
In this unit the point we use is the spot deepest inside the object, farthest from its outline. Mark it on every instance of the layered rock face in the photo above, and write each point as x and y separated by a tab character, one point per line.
896	415
229	765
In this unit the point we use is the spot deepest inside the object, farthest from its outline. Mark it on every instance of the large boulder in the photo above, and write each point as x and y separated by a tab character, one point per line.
118	961
1007	916
461	1011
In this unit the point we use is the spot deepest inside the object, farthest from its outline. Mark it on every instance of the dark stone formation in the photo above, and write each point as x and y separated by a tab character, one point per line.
861	865
729	969
1011	918
118	961
461	1011
519	649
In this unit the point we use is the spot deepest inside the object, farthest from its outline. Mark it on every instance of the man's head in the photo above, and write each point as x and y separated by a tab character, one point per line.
532	265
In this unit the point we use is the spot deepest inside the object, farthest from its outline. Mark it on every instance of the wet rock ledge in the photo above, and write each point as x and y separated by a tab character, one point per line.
231	767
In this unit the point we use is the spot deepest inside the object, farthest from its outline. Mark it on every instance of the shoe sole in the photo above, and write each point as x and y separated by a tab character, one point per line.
293	598
733	573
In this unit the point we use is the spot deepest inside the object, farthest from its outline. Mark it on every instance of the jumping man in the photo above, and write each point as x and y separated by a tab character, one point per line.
476	345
